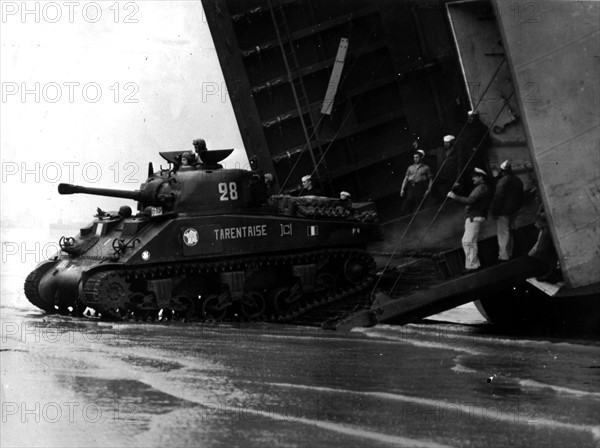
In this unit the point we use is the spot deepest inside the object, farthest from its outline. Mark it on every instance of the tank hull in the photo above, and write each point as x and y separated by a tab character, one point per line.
261	265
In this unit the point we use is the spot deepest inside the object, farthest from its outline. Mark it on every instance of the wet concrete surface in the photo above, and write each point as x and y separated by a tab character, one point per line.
73	382
446	382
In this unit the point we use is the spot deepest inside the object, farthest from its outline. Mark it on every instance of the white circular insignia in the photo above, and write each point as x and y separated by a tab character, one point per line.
190	237
145	255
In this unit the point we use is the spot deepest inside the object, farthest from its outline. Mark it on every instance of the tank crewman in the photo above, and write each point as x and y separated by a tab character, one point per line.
125	211
199	148
417	183
309	187
199	145
508	199
269	184
476	209
188	159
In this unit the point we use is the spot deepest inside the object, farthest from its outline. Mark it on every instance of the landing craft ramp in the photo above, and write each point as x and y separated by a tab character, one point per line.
421	260
436	296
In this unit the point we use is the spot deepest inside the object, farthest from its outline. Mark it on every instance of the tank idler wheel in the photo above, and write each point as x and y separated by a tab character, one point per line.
214	308
355	271
253	305
32	283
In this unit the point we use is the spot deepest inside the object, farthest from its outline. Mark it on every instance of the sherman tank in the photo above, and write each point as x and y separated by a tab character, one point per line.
208	243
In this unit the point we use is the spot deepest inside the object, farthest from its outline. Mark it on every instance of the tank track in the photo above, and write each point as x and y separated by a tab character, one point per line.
341	275
31	286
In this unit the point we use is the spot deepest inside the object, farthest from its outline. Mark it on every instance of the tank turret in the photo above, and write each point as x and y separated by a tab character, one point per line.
201	187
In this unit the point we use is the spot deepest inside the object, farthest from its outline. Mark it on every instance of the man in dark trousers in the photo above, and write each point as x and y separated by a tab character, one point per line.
472	146
448	172
476	209
508	199
417	183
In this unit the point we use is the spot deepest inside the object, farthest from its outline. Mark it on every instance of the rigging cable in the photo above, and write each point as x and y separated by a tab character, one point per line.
442	165
323	116
446	198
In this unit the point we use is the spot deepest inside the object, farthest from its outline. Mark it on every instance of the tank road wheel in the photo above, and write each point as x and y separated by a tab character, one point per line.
182	307
355	271
135	300
285	299
253	305
214	307
326	285
280	299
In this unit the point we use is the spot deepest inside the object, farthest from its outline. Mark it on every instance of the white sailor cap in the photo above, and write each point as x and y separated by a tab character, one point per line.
479	172
420	152
448	138
506	166
306	178
344	195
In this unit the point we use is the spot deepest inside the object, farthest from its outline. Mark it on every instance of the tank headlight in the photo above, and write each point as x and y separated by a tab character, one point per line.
145	255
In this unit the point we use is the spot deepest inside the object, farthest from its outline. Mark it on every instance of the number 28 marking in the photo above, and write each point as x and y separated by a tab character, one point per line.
228	191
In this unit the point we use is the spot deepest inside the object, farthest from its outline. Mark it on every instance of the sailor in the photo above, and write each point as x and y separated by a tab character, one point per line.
508	199
448	172
476	208
417	183
471	149
309	188
346	198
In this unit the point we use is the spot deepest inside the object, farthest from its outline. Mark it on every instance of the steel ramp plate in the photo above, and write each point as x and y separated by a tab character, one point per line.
442	296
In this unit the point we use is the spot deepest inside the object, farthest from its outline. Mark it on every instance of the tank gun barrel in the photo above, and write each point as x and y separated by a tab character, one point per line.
136	195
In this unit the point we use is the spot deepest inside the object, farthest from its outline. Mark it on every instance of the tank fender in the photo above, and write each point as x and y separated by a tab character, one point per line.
60	285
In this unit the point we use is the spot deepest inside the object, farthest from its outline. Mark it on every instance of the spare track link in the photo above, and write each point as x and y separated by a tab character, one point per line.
99	295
